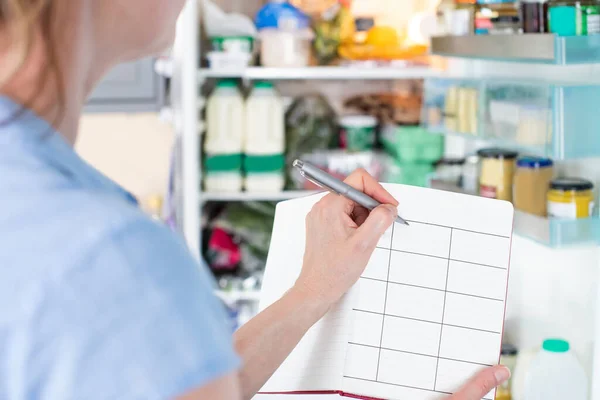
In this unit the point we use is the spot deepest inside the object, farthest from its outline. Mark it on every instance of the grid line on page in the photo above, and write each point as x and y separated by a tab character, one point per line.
413	297
437	365
384	305
421	354
442	258
427	321
428	288
458	229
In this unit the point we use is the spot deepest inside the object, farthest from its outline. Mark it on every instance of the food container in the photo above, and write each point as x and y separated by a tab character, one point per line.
508	358
531	182
357	132
497	169
228	61
470	175
570	198
534	127
285	48
534	16
413	144
570	18
414	174
450	170
233	44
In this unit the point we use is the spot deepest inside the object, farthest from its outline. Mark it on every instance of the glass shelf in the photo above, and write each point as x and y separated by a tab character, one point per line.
548	232
537	118
536	48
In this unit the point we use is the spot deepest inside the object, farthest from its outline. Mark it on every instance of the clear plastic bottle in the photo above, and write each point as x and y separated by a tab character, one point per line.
555	374
224	138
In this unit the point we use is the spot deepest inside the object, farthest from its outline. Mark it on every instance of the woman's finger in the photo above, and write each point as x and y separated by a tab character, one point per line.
361	180
378	221
483	383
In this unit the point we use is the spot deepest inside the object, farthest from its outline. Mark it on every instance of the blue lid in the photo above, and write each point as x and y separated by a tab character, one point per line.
273	12
534	162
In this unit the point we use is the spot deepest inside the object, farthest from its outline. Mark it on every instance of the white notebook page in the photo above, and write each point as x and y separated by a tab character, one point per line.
427	313
316	364
431	306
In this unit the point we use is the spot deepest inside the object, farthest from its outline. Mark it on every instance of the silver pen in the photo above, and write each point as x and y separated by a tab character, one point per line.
334	185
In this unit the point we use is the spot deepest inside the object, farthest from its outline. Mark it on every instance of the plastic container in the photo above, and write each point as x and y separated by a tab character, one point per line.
531	183
570	198
555	374
224	138
228	61
413	144
233	44
285	48
497	170
357	132
285	35
223	173
413	174
265	121
264	142
574	18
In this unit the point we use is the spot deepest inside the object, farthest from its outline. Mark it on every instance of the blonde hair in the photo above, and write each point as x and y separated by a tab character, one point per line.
22	22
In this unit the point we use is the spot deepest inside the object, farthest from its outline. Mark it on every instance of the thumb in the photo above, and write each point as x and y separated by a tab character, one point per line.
483	383
378	221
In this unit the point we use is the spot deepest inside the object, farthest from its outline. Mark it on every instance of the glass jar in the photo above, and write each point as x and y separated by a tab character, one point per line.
570	198
531	182
508	358
497	170
470	175
449	170
534	16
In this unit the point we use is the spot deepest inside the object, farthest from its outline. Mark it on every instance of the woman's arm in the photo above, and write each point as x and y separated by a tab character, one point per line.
266	340
340	240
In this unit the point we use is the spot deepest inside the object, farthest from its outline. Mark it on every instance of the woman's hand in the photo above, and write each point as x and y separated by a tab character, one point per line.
340	238
482	383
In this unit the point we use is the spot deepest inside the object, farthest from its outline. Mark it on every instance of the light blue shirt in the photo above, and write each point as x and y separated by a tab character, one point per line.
97	301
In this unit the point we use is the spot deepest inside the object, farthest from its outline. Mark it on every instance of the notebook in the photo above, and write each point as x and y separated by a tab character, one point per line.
427	313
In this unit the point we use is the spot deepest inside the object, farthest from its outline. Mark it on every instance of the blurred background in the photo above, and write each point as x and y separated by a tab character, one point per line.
490	98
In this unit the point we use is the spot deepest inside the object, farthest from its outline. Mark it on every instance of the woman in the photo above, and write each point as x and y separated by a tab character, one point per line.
98	302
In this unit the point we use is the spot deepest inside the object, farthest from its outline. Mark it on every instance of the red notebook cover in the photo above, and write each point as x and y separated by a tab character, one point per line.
338	392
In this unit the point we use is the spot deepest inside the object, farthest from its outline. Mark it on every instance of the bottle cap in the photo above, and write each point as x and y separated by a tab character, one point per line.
568	184
556	345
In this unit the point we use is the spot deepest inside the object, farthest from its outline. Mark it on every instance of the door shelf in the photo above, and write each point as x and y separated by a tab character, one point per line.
534	48
537	118
554	233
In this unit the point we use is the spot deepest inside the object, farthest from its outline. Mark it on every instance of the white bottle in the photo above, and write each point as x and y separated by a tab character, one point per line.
264	142
224	136
555	374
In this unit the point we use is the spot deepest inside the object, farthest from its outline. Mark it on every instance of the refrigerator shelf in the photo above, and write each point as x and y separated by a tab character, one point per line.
537	118
554	233
533	48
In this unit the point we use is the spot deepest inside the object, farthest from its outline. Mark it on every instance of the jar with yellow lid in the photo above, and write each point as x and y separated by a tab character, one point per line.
497	171
570	198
